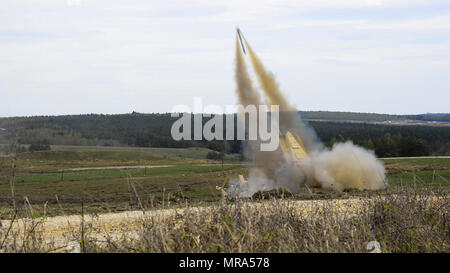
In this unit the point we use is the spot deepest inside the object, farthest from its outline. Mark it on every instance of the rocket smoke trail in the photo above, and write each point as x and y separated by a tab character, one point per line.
345	166
248	95
268	82
289	119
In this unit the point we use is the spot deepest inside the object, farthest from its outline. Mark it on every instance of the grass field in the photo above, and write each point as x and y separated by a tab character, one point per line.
418	172
93	181
106	178
119	179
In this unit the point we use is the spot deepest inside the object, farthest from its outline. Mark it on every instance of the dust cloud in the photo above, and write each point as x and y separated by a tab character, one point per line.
344	166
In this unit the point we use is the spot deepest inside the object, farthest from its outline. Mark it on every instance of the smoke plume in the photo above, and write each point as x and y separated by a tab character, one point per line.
347	166
289	117
248	95
344	166
245	91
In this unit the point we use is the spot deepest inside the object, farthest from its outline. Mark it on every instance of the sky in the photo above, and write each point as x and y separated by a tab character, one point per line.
105	56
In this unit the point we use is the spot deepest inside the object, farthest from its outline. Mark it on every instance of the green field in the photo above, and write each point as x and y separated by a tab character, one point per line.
438	178
420	172
153	177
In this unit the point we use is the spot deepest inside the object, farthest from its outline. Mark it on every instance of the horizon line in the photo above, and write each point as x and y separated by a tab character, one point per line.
153	113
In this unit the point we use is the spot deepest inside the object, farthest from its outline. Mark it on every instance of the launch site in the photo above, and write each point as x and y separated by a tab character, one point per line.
229	127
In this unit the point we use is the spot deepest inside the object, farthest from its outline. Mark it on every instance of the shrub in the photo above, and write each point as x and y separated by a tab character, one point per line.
41	145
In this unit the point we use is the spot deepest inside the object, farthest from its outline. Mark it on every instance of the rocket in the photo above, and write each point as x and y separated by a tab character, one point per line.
240	39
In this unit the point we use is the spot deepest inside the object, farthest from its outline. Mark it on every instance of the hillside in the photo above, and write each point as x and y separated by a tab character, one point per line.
373	117
374	131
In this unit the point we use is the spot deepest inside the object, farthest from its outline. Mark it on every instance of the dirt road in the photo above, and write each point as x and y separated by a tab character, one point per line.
57	232
136	167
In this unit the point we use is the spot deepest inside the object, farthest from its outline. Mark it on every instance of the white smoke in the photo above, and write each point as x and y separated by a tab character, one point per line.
347	166
257	181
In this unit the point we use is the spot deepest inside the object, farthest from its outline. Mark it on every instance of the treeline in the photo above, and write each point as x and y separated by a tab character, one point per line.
328	115
393	146
430	117
41	145
388	140
153	130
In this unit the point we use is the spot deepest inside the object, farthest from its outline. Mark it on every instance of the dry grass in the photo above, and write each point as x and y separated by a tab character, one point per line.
404	218
407	221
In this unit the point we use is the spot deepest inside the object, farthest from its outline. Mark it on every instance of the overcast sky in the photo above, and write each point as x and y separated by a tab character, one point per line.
94	56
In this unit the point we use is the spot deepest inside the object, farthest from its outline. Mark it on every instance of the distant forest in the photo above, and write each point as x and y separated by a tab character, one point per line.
443	117
153	130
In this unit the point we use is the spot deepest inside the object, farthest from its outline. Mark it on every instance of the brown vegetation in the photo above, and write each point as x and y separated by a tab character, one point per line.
402	222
